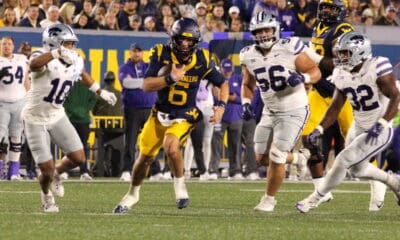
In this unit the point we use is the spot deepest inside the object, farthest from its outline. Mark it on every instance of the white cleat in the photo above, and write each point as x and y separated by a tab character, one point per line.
156	177
86	177
203	177
166	176
126	204
375	206
64	176
266	204
125	177
16	178
57	186
48	203
236	177
212	176
252	177
393	183
309	203
327	198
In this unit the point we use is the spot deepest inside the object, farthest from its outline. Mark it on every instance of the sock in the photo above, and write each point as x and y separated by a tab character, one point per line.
180	188
378	190
13	169
1	168
134	191
333	178
295	158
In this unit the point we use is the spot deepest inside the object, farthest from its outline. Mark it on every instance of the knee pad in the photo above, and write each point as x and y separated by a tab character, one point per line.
15	146
276	155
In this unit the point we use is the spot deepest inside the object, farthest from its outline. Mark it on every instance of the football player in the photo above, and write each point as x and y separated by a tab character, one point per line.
14	83
175	72
370	86
279	68
54	70
329	27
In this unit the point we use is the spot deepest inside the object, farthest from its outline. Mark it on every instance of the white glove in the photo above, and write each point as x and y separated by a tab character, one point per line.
67	55
109	97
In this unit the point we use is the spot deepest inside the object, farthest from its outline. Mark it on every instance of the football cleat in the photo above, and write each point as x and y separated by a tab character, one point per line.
375	206
121	209
327	198
266	204
182	203
393	183
309	203
57	186
48	203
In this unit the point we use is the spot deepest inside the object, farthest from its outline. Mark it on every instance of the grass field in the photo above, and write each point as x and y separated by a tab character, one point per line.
218	210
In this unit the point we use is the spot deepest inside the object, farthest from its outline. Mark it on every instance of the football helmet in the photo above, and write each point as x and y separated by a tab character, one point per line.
54	35
261	21
184	28
351	49
337	12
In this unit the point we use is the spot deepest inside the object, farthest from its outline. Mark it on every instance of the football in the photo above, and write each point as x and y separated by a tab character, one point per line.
164	70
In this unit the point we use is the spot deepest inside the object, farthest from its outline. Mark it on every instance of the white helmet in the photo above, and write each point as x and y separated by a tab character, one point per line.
358	48
53	36
263	20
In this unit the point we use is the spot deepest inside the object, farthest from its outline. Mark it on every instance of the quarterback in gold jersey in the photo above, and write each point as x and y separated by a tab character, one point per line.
175	71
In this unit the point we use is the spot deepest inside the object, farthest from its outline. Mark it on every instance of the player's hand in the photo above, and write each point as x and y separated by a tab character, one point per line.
67	55
247	112
109	97
295	79
313	137
373	133
177	72
218	112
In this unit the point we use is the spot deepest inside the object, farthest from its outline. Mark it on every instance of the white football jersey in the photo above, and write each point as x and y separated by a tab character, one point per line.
49	90
369	103
12	86
271	73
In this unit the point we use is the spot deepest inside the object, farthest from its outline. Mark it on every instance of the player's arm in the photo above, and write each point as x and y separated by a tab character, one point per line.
248	85
333	110
387	84
93	86
164	78
306	65
38	62
27	81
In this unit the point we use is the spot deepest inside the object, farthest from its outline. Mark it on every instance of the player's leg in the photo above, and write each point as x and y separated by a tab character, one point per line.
39	142
150	142
175	135
5	117
188	154
15	133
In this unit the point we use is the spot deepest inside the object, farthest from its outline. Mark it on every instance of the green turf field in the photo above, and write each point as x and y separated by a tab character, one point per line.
218	210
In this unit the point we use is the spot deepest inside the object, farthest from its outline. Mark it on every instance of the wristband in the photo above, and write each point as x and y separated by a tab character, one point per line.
55	53
320	129
307	78
169	80
383	122
221	104
246	100
94	87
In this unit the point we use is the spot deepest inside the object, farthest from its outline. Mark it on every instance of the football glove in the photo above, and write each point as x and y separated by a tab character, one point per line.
295	79
373	133
247	112
313	137
109	97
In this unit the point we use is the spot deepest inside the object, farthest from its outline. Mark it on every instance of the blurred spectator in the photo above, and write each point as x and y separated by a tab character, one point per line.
44	8
130	9
99	4
82	22
236	25
22	9
149	25
53	13
286	16
102	108
187	11
353	11
137	104
147	8
201	12
246	8
88	11
168	21
232	122
110	22
67	12
173	6
219	14
209	28
164	10
32	17
114	8
268	6
390	18
376	9
99	17
221	26
368	17
135	24
25	48
301	9
9	19
78	105
305	29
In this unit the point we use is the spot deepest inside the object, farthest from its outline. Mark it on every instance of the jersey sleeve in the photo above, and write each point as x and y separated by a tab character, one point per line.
342	28
383	66
155	61
243	55
213	75
295	45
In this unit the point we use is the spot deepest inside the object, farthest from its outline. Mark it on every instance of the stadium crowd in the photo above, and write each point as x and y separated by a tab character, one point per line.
211	15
